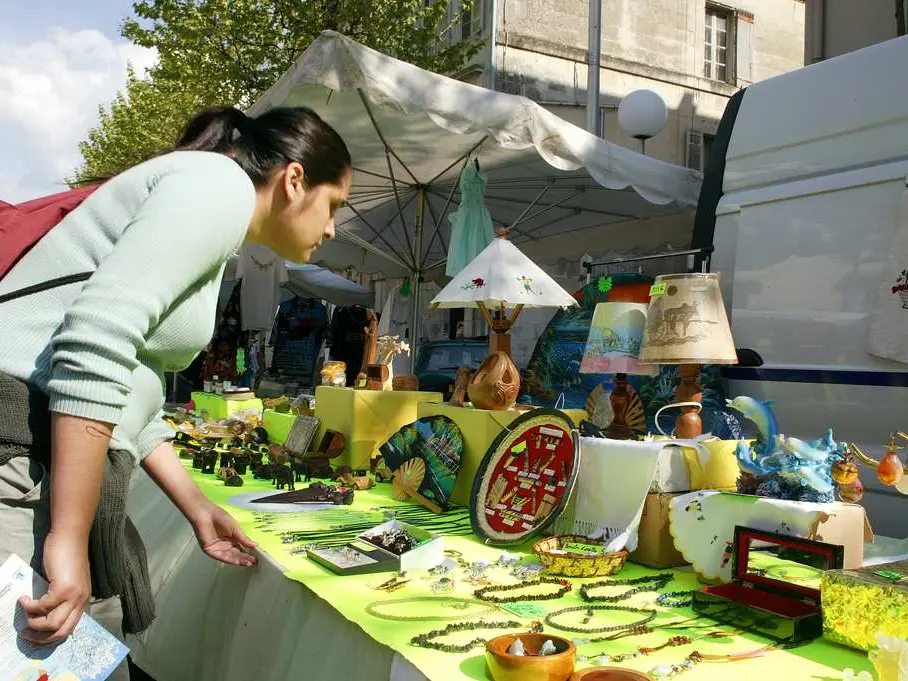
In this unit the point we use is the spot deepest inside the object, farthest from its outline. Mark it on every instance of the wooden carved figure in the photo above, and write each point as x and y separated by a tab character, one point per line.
388	348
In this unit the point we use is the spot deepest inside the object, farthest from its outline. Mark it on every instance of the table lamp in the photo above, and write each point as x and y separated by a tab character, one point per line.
686	325
612	348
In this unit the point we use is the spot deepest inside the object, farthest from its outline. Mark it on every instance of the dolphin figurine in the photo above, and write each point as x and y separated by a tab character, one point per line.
802	450
746	463
808	477
762	417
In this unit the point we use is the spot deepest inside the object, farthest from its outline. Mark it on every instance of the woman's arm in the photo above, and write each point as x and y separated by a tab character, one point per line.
79	450
218	533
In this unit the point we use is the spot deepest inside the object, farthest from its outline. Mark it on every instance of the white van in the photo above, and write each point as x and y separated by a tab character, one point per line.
801	204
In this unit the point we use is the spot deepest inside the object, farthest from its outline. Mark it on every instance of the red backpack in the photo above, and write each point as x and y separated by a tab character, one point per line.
24	225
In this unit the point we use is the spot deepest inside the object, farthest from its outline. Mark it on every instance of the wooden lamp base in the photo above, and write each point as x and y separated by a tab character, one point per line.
628	420
689	425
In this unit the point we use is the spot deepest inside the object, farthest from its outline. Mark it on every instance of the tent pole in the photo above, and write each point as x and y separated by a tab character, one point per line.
594	50
416	289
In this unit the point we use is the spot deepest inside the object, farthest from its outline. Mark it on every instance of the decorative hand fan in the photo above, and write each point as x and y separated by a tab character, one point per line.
526	477
425	458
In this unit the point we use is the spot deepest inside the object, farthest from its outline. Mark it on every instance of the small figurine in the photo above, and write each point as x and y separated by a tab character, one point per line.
209	460
388	348
282	476
379	469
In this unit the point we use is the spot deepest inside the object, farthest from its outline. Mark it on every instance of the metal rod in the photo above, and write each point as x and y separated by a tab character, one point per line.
465	156
593	121
415	312
530	206
379	235
637	258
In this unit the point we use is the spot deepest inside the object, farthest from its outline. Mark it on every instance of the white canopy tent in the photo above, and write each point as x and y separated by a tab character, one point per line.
411	131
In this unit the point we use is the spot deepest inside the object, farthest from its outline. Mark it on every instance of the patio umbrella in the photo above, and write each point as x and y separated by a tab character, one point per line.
498	279
411	132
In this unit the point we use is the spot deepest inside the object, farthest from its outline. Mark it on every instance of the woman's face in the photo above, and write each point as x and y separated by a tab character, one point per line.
306	215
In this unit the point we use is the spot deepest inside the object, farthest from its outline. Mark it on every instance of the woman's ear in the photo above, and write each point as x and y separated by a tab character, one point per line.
294	181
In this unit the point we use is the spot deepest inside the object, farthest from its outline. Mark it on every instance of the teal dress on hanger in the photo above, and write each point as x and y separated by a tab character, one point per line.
471	223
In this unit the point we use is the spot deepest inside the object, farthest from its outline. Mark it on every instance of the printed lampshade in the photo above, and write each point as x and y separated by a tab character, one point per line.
614	341
502	275
686	322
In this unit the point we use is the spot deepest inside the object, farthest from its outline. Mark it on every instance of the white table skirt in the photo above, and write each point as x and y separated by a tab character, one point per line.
217	623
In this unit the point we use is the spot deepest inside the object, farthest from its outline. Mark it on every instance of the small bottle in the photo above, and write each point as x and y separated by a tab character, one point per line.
217	384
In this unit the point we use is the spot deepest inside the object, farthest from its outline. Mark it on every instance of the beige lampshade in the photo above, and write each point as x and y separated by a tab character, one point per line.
686	322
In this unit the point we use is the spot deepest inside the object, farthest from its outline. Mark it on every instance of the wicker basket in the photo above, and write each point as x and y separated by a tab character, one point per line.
577	564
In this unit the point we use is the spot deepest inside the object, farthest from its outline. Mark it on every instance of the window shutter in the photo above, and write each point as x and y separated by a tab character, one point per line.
744	48
695	150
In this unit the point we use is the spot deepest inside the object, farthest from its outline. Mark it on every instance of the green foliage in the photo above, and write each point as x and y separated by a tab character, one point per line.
216	52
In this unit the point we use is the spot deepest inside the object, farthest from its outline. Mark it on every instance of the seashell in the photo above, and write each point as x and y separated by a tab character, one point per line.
410	474
516	648
548	648
636	416
599	407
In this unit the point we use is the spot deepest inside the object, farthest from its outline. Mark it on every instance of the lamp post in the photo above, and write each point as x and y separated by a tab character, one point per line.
642	114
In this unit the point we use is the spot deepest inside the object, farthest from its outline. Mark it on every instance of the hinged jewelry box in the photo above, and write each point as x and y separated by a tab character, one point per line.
776	587
364	557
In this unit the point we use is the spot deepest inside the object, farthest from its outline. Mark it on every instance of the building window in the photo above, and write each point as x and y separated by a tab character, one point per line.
471	20
699	148
717	44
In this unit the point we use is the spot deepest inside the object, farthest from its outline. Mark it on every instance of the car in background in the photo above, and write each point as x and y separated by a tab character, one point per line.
438	361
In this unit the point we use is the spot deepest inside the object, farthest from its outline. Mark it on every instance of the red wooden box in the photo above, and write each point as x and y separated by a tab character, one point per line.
776	587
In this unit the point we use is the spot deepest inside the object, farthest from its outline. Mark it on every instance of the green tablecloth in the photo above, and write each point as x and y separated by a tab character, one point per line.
283	536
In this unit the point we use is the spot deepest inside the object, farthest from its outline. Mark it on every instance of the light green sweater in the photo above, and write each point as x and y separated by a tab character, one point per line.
156	237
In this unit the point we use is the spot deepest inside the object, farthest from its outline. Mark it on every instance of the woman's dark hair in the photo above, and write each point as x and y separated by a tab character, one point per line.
274	139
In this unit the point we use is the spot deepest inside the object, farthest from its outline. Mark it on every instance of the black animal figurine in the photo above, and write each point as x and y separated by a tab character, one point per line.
197	460
209	460
282	477
225	459
263	472
234	481
240	461
255	459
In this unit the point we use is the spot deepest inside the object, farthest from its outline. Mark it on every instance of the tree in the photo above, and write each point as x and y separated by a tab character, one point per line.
216	52
144	119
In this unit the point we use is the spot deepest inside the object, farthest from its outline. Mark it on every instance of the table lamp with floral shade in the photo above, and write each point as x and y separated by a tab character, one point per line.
612	347
686	324
501	281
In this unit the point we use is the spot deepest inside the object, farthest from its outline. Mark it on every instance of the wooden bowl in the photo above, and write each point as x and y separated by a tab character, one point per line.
610	674
502	666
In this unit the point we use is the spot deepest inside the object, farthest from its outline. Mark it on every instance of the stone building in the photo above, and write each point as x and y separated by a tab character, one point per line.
694	53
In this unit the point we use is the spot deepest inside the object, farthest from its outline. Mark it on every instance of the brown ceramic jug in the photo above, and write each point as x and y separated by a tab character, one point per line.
496	383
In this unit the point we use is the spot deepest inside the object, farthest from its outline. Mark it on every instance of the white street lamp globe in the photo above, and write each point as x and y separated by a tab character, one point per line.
642	114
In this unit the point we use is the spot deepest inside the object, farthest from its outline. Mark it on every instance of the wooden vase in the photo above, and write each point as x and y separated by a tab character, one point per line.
496	383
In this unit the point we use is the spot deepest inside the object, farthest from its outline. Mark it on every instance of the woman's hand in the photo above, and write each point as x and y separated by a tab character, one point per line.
53	617
221	537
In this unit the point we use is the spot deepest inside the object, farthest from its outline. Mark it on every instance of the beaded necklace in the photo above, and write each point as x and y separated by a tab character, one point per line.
427	640
644	630
647	583
604	658
483	594
649	616
665	671
458	604
675	599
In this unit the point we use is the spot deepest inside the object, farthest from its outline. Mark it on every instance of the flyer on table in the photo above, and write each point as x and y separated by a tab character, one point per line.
90	654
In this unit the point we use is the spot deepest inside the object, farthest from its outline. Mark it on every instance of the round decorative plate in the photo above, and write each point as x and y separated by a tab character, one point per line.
525	478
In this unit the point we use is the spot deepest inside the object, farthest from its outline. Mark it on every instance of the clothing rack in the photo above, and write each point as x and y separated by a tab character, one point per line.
669	262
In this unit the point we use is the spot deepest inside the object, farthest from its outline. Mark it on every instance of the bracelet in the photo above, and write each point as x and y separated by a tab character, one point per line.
459	604
648	583
483	593
650	615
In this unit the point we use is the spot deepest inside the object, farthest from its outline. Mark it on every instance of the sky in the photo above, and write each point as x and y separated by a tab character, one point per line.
59	60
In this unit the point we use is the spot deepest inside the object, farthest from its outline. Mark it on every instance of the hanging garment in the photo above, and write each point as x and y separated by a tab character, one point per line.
348	338
471	223
299	331
220	356
262	272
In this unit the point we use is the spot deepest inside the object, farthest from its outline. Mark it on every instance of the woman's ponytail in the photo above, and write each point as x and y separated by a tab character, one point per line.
213	130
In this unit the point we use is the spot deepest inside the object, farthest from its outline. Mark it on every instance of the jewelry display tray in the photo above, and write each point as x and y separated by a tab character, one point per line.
758	599
370	559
